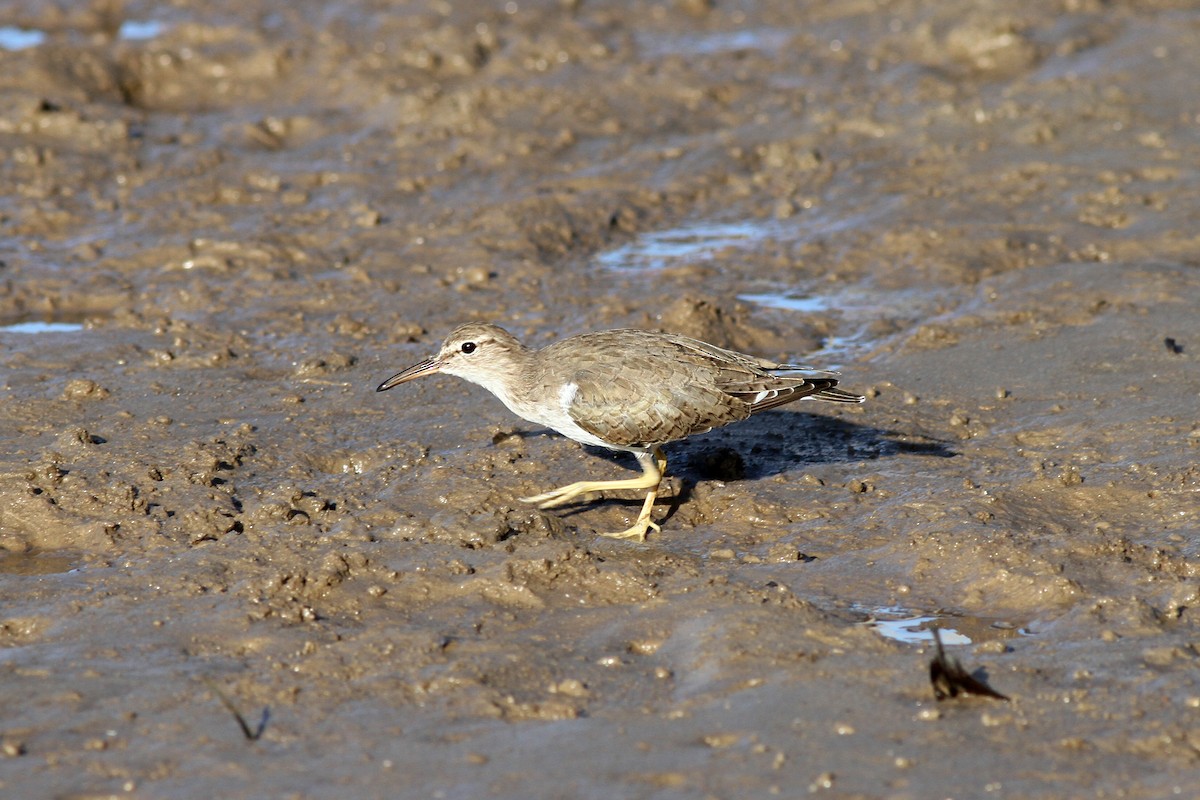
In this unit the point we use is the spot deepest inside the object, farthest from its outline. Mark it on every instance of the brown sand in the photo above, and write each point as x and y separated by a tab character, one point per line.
985	214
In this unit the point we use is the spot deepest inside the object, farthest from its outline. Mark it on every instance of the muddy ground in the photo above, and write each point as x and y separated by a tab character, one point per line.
243	216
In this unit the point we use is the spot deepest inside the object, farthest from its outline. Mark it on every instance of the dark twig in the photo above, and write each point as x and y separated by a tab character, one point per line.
251	735
949	677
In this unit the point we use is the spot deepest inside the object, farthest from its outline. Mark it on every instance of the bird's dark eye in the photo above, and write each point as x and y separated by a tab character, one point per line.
468	347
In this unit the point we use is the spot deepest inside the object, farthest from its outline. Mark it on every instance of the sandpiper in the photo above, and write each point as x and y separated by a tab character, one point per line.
627	389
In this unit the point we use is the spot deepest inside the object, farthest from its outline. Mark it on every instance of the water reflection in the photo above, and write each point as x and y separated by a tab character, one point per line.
13	38
42	327
35	563
916	629
810	304
16	38
656	249
762	39
135	31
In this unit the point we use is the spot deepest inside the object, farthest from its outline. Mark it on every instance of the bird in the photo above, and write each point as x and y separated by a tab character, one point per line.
626	389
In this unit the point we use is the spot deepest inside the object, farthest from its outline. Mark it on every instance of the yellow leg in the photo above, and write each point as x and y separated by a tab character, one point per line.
653	464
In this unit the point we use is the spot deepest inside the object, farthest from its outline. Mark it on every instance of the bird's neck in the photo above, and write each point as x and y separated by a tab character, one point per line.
508	378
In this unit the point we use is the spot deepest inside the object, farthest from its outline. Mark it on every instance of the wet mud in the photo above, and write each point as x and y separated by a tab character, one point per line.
225	223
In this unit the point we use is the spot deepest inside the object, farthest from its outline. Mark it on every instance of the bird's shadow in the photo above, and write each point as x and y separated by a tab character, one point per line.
773	443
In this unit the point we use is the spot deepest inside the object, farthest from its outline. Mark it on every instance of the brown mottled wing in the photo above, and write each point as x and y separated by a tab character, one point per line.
645	391
641	389
648	413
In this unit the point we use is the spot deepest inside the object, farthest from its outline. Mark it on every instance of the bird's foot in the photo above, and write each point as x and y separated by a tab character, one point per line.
637	532
653	464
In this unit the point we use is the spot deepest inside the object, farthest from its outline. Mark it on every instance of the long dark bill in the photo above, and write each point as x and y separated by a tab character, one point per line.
427	367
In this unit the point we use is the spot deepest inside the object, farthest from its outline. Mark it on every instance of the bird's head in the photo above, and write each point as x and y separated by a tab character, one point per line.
479	352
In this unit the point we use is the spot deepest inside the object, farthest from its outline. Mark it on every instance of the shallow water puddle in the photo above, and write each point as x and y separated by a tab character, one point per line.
911	626
836	351
904	625
704	240
859	307
914	629
765	39
37	564
788	302
42	327
862	311
15	38
135	31
699	242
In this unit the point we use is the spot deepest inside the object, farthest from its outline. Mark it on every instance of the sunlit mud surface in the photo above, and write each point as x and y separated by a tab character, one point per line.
225	223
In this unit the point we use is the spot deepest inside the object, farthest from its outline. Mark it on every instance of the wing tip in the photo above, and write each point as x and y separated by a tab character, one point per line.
832	395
